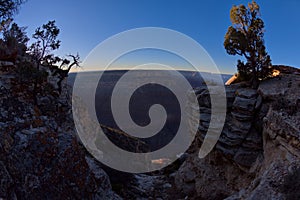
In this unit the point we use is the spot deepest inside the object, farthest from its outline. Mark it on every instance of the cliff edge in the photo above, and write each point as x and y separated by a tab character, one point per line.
257	155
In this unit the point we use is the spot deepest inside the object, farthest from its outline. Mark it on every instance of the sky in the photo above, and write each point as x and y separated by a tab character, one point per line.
85	24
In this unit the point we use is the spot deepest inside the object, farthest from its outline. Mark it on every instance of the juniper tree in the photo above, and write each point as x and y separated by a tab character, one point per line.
245	38
7	9
46	42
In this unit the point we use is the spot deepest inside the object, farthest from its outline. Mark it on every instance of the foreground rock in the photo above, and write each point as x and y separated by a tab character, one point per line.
40	157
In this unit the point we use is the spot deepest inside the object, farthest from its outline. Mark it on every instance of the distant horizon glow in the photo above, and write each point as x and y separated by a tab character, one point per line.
144	56
79	70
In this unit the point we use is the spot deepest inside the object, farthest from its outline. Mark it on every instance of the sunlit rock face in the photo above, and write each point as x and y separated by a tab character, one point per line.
275	73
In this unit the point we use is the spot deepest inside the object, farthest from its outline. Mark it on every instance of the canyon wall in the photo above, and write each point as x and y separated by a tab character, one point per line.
257	155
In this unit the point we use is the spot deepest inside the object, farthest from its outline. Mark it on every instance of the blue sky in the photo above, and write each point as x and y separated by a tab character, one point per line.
84	24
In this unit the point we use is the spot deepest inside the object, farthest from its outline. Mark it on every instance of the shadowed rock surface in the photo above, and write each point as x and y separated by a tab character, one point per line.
40	157
257	155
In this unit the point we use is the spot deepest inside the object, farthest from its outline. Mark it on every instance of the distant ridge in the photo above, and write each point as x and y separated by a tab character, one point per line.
187	73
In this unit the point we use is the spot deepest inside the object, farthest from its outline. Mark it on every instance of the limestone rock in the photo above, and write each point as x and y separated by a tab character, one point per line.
40	156
239	121
244	105
213	177
260	144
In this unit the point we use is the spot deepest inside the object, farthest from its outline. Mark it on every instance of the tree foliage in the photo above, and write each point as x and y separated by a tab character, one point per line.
13	45
46	41
9	47
245	38
65	66
17	33
7	9
16	39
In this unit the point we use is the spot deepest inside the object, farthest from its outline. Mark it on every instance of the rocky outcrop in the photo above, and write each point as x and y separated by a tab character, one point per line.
276	177
278	173
239	134
216	177
257	155
40	157
240	140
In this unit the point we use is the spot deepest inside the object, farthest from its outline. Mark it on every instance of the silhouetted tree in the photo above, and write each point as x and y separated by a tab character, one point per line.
16	39
47	41
7	9
16	32
51	60
66	65
244	71
9	48
245	38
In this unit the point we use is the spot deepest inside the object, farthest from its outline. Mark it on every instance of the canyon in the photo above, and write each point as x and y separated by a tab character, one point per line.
256	157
